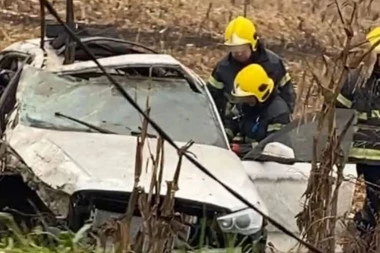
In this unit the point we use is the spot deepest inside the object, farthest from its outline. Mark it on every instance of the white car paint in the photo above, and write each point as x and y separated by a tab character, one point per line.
282	187
65	164
122	60
42	58
48	60
74	161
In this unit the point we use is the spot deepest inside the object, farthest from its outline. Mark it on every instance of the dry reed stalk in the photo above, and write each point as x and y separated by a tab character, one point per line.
245	7
318	219
160	224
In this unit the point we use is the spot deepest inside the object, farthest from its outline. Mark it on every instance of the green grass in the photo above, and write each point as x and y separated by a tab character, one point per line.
39	240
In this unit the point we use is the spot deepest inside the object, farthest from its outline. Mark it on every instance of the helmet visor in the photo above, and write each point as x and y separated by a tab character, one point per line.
261	93
239	48
235	40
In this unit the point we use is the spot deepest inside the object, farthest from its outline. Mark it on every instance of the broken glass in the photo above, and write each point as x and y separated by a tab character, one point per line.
181	112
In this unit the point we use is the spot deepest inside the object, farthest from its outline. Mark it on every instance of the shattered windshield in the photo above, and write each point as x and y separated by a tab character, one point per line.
181	112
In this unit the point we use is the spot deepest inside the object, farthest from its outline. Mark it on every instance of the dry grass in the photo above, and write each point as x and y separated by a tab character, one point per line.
294	36
319	216
192	30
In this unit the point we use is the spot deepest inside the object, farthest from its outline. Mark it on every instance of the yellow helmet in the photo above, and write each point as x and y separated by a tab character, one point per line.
240	31
253	81
374	37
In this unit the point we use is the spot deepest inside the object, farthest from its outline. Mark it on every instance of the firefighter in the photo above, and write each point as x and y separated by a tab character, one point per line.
365	150
245	48
258	110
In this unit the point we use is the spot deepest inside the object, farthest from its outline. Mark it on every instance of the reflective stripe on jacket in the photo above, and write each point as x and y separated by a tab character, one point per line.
220	82
258	122
365	99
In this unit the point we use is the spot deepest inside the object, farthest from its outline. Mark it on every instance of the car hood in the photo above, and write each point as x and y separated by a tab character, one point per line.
75	161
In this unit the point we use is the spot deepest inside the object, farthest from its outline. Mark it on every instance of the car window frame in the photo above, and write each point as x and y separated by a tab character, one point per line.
97	40
17	54
8	98
201	89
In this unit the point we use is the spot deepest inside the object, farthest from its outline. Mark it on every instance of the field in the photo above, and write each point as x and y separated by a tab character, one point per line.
192	31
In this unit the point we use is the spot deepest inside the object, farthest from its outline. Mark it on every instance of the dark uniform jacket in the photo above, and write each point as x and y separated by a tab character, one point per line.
366	101
222	77
256	123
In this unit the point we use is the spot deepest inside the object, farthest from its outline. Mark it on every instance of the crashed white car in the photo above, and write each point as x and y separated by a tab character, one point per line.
95	167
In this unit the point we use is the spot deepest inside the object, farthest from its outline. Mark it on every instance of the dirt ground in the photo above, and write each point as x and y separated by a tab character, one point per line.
192	31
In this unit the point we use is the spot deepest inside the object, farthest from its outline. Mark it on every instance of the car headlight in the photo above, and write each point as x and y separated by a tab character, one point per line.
245	222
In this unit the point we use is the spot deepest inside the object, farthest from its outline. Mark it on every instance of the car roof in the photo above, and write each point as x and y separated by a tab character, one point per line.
51	59
122	60
42	58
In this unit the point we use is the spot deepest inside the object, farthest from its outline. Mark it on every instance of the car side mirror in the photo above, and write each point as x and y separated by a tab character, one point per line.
277	149
277	152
